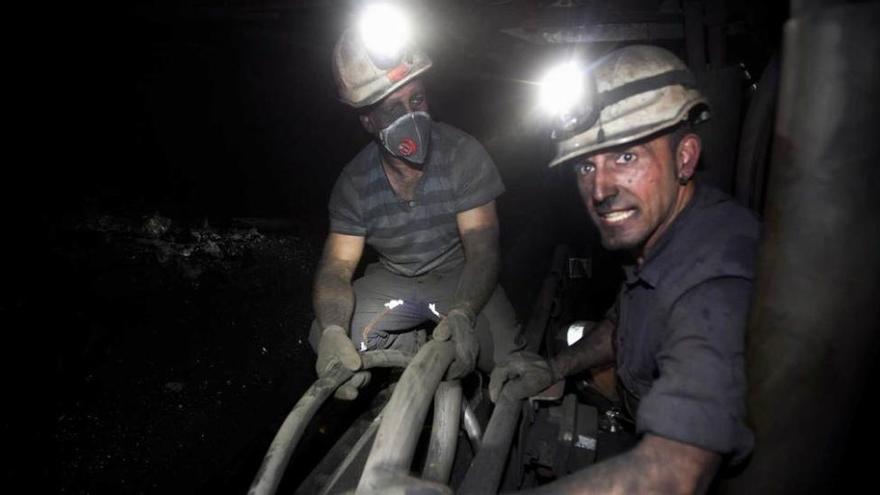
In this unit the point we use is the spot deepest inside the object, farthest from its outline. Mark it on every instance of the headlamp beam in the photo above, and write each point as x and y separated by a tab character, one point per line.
386	32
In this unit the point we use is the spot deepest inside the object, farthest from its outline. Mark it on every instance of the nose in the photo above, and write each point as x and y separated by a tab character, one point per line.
604	186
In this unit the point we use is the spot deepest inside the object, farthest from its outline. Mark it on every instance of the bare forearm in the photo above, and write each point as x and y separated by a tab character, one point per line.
622	474
595	349
480	273
655	465
333	297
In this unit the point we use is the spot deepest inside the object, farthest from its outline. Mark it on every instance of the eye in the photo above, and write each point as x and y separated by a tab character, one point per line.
626	157
584	168
417	100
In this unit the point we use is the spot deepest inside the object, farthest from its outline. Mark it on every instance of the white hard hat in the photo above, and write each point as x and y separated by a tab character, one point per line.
362	79
639	90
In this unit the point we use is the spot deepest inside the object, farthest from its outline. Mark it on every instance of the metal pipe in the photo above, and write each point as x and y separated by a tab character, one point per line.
275	462
812	337
536	328
754	142
404	416
799	8
484	474
471	426
444	433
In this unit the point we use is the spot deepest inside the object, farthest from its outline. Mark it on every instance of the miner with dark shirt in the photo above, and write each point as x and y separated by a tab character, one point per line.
675	334
422	194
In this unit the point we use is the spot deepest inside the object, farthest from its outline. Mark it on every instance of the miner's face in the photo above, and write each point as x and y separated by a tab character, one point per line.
408	98
633	192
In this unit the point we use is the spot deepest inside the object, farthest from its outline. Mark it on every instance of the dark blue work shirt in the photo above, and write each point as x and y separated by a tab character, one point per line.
681	322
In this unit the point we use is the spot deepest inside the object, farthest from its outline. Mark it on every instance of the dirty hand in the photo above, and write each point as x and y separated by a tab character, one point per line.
458	326
525	374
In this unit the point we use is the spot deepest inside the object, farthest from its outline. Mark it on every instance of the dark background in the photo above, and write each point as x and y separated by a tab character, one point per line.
164	230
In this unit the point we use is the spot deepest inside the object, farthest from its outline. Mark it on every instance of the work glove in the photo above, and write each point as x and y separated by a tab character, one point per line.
336	347
525	374
349	390
458	326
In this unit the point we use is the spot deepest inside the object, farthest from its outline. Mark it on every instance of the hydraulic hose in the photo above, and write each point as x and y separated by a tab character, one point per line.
444	434
484	474
404	416
471	426
291	431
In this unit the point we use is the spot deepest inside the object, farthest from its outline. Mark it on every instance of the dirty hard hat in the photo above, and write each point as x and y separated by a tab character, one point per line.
633	92
363	78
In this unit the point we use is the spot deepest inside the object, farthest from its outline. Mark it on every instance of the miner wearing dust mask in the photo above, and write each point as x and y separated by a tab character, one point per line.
422	194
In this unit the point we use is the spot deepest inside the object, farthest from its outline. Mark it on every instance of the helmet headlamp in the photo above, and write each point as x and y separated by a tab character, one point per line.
567	94
385	31
573	98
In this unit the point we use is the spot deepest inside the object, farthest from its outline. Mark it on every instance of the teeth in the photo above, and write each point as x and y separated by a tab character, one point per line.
618	216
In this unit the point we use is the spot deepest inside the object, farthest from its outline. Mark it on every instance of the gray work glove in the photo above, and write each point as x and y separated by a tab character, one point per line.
349	389
458	326
336	347
525	374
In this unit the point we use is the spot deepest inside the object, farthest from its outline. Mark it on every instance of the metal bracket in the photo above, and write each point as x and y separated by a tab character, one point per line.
580	268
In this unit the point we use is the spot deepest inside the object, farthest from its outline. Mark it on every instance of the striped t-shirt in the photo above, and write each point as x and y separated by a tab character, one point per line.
418	236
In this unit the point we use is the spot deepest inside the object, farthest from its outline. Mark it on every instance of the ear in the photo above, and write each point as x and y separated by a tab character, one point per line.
687	155
367	123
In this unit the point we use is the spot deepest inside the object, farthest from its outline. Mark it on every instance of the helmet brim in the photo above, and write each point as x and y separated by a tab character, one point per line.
595	138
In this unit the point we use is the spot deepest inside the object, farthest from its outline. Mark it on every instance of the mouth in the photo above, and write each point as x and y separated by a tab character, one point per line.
615	217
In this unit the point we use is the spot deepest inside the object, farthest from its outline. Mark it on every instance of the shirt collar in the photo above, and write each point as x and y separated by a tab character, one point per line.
631	274
655	262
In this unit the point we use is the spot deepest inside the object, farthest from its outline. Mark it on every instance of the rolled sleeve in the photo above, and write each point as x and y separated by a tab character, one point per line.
699	396
344	207
478	180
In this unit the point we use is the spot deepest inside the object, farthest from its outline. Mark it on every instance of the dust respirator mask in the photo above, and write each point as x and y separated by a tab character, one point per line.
408	137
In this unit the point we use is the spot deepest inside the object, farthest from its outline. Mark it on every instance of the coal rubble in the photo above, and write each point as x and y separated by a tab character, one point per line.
184	346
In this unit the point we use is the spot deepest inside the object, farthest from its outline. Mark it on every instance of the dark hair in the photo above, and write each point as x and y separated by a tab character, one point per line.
678	133
690	125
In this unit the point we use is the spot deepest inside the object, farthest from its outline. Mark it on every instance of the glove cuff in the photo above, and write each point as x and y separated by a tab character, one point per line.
471	317
328	327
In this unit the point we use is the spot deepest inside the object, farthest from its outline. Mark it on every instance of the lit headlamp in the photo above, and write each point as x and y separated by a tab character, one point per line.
385	31
570	94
